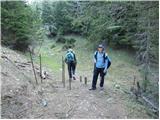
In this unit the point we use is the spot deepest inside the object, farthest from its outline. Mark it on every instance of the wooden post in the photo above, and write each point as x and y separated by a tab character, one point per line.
85	80
40	67
134	81
80	78
69	83
33	66
138	88
63	72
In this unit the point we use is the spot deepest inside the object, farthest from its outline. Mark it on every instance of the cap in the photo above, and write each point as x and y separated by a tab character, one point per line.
100	46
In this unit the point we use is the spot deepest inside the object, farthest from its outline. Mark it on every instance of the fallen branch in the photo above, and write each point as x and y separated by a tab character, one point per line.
70	111
24	63
21	65
3	56
138	94
20	71
149	102
5	74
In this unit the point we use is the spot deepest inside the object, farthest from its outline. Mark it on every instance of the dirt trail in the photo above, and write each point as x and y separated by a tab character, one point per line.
21	98
81	103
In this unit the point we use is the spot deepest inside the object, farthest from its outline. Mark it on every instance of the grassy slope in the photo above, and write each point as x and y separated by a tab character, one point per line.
122	63
121	71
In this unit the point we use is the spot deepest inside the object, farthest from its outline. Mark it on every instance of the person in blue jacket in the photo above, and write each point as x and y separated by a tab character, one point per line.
71	61
101	63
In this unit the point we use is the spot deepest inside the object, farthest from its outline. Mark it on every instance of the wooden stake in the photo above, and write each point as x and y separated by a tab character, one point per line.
134	81
40	67
33	66
69	83
80	78
63	72
85	80
138	88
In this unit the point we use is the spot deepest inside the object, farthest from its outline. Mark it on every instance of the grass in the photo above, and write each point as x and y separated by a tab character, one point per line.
121	60
52	57
121	71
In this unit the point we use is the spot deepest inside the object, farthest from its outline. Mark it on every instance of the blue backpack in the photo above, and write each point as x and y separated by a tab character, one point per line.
70	57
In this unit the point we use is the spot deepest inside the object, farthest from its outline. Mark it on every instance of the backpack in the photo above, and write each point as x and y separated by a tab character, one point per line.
104	58
70	57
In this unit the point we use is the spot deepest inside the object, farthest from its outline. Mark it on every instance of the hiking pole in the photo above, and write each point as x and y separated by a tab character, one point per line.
63	72
33	66
40	61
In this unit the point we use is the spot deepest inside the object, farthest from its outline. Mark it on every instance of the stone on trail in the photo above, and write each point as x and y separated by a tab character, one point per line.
45	103
109	99
117	86
101	91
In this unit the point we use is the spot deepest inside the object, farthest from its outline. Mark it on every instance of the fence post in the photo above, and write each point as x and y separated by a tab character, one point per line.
33	66
85	80
40	67
80	78
63	72
69	83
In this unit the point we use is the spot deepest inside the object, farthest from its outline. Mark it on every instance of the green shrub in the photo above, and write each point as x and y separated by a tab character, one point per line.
60	39
53	46
67	46
70	41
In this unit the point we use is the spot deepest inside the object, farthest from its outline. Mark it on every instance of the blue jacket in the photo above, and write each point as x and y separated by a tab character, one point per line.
99	62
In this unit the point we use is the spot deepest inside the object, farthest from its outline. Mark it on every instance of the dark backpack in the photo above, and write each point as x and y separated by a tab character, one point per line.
104	58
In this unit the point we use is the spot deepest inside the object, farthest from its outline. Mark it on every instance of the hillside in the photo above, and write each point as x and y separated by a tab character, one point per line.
41	31
22	98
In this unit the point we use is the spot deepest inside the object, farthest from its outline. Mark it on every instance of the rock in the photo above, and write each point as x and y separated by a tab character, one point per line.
67	115
17	90
44	103
4	52
40	93
101	92
109	99
117	86
44	74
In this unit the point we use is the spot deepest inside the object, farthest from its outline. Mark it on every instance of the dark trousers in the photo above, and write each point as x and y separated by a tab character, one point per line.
98	71
71	69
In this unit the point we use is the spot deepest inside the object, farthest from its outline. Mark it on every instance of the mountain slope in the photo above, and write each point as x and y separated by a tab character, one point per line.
22	98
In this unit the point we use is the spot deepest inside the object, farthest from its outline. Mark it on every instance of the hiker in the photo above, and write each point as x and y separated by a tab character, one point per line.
101	64
71	61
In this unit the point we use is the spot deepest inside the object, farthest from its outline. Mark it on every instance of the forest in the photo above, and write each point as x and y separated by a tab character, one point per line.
130	26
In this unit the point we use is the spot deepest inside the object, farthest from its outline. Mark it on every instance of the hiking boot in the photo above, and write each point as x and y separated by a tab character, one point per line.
101	88
74	78
92	89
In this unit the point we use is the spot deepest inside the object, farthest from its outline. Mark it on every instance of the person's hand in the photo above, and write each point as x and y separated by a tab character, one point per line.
105	71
